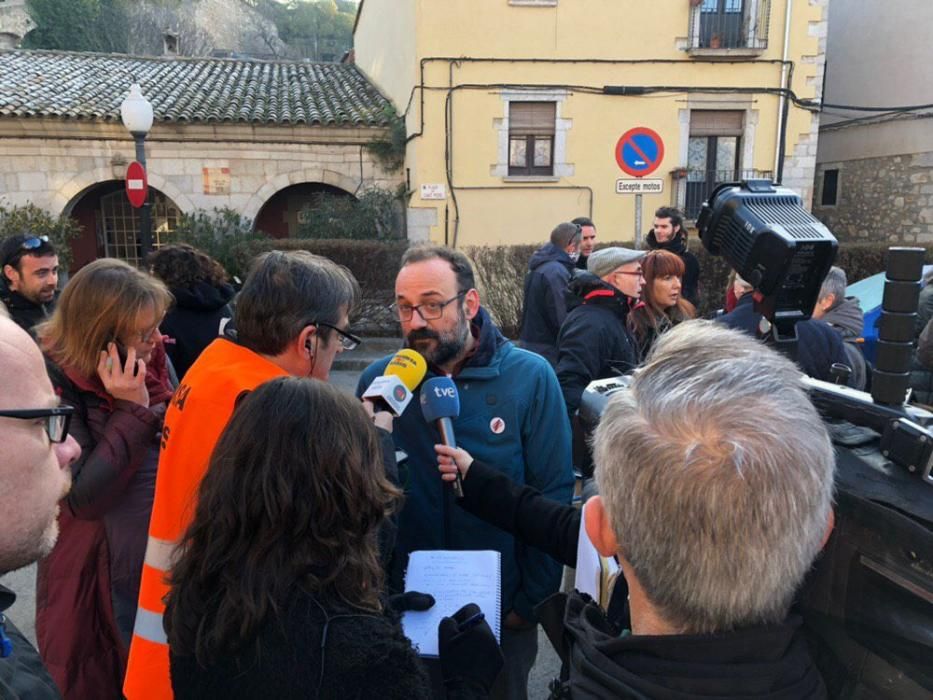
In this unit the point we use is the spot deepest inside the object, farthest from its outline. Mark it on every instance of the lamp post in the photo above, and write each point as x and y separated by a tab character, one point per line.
136	113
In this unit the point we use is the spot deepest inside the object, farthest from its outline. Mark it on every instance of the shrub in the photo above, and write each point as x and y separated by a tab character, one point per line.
31	219
218	234
376	214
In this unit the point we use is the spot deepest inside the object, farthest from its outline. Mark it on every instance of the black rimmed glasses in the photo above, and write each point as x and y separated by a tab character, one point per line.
429	310
347	339
56	421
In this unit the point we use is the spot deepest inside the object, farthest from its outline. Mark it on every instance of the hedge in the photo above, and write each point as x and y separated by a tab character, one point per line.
500	272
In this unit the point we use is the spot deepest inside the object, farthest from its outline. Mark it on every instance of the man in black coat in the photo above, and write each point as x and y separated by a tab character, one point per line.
693	503
587	239
594	341
29	278
668	234
818	345
549	271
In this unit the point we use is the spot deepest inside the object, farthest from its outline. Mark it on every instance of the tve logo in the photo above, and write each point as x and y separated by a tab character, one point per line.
445	392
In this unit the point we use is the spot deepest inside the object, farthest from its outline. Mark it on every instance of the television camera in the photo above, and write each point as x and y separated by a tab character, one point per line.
868	603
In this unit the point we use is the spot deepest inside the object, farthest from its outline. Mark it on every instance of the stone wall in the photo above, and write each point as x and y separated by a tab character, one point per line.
54	169
880	199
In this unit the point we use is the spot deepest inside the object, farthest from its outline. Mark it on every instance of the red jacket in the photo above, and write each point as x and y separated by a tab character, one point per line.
76	626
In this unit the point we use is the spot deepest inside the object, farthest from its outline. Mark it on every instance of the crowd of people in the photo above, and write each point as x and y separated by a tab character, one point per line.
228	525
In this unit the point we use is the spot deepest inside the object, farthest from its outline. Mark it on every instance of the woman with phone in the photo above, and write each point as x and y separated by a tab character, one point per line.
105	358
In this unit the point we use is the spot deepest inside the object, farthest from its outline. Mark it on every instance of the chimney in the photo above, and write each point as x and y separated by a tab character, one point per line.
15	23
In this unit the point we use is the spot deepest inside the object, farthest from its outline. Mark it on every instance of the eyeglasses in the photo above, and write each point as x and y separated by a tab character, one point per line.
347	339
640	273
429	310
57	419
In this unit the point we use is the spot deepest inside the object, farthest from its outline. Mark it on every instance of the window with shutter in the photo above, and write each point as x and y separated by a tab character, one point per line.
531	138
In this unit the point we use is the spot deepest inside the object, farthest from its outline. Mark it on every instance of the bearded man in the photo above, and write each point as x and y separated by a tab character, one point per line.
511	412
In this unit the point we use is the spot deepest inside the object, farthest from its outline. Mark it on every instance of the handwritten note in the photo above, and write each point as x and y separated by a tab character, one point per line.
454	579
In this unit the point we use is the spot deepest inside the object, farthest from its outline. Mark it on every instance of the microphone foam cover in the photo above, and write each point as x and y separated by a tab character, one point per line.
439	399
409	366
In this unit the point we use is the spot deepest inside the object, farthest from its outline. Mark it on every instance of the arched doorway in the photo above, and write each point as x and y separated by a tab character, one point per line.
110	225
281	215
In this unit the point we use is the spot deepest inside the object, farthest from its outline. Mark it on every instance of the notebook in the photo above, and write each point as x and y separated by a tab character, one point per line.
454	578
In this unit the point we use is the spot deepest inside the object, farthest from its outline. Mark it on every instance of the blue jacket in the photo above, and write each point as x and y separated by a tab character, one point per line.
818	345
530	443
549	271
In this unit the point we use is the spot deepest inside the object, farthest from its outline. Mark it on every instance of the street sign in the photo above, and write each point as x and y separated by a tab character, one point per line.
639	151
639	186
433	191
137	187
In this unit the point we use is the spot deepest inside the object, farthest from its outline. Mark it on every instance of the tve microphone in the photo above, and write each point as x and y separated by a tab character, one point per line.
392	391
440	403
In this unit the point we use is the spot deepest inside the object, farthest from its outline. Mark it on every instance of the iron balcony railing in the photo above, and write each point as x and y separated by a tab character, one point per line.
696	186
729	24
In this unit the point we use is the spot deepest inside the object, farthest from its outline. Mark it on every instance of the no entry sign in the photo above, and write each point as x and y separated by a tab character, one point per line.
639	151
136	185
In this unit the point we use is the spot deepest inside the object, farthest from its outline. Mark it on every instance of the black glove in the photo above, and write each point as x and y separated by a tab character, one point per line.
468	649
410	600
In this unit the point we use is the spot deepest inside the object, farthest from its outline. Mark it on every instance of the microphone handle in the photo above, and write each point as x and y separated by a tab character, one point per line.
446	428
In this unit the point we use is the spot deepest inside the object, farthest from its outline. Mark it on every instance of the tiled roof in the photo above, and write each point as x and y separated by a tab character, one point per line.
92	86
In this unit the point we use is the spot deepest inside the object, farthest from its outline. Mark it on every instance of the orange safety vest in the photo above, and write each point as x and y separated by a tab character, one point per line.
197	415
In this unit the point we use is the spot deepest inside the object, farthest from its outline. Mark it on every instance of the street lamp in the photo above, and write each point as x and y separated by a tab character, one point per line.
136	113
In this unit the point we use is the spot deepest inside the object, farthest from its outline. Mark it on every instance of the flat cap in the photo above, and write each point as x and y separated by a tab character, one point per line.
604	261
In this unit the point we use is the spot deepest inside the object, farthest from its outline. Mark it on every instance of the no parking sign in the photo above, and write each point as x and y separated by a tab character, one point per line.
639	151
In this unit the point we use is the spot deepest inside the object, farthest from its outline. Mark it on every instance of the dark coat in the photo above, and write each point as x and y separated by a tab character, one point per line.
22	675
315	649
602	659
604	662
690	289
84	613
195	321
594	342
549	271
848	320
818	345
26	313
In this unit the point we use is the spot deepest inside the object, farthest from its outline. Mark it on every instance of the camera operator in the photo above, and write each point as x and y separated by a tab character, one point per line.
716	475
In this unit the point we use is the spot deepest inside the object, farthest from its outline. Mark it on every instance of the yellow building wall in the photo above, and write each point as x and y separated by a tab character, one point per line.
460	124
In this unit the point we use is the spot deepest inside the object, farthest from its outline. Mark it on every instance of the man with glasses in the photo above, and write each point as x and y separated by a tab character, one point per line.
291	318
29	279
511	412
34	476
595	341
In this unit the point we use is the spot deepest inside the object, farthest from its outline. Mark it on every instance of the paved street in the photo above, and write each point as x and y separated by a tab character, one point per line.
23	583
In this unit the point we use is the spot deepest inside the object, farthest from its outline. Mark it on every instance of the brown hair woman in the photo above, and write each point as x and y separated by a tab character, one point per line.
662	306
106	359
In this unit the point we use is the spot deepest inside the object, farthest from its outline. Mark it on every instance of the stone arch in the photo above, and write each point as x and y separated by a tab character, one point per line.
298	177
71	192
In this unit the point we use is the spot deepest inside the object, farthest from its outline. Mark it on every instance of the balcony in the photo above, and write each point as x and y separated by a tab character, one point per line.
695	186
728	28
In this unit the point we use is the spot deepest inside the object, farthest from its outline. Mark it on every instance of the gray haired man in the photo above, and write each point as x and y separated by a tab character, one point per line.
715	475
846	317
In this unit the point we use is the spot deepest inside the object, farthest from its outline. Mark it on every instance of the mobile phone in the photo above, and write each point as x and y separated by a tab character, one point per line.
121	353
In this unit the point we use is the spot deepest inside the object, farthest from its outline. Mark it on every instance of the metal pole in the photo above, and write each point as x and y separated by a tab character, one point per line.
638	221
145	220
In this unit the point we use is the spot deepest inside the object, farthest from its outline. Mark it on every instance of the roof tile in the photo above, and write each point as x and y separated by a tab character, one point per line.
90	85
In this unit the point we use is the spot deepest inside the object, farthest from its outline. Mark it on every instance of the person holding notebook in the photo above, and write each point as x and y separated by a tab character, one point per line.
714	514
277	588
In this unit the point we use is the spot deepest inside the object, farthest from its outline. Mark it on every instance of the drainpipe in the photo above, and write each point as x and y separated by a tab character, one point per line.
779	146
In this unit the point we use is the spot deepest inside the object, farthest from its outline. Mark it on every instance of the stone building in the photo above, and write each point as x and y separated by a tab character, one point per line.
263	138
874	178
